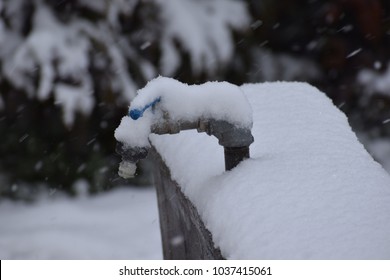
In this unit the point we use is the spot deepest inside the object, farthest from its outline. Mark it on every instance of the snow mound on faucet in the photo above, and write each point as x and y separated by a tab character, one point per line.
135	133
211	100
182	102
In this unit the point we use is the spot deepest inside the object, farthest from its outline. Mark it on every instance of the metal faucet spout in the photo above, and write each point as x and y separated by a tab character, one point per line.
234	138
130	156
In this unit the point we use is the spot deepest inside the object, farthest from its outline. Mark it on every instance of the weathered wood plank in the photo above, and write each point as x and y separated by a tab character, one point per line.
183	233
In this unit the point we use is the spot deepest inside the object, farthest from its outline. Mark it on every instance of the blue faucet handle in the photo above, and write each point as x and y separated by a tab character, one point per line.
135	114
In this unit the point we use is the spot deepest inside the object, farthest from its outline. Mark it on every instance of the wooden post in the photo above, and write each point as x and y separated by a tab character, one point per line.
183	233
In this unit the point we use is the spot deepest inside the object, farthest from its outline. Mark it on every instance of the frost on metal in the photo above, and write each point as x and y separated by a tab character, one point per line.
127	169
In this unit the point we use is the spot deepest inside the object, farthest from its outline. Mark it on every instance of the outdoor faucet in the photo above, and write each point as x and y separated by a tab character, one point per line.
235	140
130	157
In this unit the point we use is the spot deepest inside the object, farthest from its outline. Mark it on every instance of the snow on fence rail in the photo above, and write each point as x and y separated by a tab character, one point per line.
309	191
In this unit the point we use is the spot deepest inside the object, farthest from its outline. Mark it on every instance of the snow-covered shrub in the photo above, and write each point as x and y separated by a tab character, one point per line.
201	28
68	70
374	82
268	66
50	47
375	87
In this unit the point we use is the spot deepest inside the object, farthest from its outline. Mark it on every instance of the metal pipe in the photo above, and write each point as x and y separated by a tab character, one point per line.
235	140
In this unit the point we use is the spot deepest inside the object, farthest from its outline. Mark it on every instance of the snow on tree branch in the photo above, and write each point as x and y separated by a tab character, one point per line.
50	49
374	82
203	29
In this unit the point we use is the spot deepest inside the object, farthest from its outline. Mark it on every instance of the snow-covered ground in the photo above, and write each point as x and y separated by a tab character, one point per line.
121	224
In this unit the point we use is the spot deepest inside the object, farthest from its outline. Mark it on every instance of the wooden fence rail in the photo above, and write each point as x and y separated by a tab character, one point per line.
184	235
